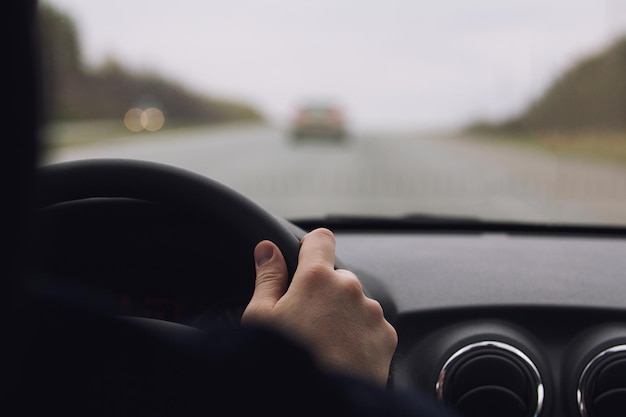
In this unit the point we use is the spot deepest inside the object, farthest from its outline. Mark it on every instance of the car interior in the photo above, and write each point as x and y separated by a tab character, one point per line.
494	318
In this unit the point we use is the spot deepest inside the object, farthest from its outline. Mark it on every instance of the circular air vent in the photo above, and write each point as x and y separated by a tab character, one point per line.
602	384
491	378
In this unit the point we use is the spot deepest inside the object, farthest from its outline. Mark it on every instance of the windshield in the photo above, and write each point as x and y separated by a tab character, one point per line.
511	110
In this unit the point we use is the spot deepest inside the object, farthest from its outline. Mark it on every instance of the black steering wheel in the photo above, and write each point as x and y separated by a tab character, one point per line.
100	241
108	183
134	359
170	186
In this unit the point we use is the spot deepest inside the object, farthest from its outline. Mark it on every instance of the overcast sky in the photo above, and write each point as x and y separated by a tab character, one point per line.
390	63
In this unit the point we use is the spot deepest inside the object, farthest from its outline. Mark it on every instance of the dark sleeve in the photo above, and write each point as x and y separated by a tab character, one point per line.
74	363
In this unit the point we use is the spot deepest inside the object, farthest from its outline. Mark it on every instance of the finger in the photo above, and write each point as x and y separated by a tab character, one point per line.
271	274
317	249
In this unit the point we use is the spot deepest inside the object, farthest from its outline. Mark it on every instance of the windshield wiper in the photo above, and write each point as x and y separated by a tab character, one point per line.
419	222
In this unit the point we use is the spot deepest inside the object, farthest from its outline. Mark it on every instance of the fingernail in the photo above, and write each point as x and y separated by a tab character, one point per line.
263	253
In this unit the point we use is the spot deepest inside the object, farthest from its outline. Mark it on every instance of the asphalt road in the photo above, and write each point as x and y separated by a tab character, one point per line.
384	174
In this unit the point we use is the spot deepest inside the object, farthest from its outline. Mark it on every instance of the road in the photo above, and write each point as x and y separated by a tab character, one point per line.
384	174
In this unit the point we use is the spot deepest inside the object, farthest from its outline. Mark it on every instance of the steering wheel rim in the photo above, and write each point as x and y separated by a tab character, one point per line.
168	185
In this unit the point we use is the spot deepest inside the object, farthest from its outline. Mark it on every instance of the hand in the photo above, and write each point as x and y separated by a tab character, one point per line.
323	308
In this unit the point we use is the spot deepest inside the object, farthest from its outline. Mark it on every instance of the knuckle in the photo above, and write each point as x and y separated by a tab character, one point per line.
318	270
351	285
349	282
375	309
392	336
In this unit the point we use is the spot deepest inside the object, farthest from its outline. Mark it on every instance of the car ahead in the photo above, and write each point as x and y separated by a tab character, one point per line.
324	121
494	318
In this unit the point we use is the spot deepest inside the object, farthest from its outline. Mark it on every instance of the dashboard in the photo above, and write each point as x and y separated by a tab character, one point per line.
490	322
504	324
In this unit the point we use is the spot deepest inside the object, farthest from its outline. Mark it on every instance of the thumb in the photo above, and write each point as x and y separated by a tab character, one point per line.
271	275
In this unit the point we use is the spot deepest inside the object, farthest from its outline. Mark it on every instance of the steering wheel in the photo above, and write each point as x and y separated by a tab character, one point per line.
73	183
106	353
241	221
169	186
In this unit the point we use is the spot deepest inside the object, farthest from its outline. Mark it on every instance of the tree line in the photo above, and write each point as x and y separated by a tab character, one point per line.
71	91
589	97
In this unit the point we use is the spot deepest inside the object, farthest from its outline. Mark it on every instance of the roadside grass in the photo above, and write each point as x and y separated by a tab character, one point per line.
63	134
68	134
604	147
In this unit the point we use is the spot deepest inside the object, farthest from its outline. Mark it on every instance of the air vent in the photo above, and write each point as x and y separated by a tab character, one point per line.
491	379
602	385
